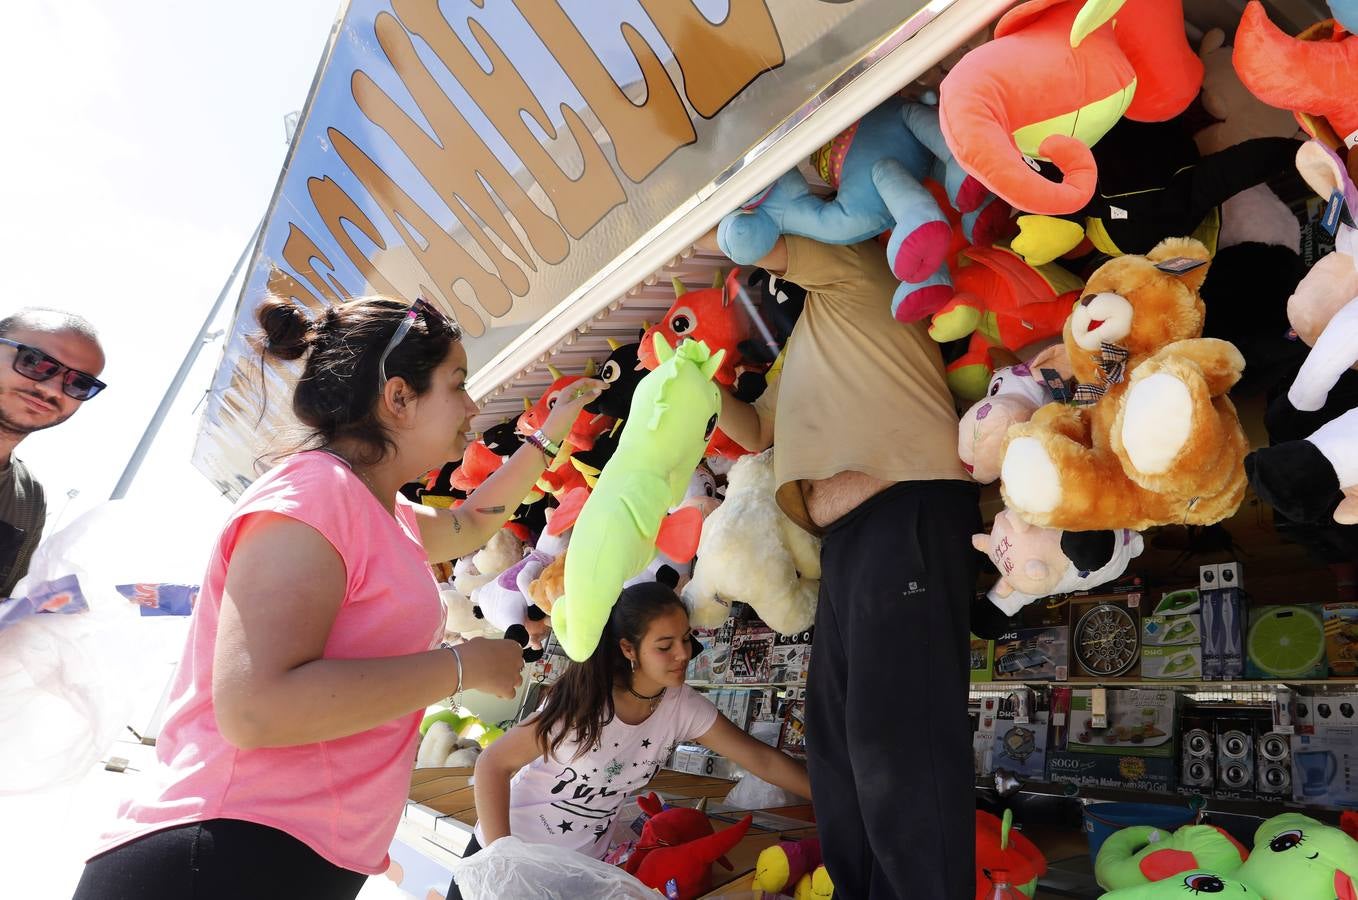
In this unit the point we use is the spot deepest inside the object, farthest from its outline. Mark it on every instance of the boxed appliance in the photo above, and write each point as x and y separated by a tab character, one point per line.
1171	663
1140	723
713	664
1178	602
1325	767
1223	621
982	658
751	654
1285	642
1138	773
1171	631
1341	639
1021	747
1033	654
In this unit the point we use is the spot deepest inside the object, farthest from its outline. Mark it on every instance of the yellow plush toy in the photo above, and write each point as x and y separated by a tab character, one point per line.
1151	438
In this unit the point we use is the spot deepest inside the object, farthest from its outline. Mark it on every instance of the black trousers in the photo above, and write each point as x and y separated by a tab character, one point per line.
888	738
220	859
455	893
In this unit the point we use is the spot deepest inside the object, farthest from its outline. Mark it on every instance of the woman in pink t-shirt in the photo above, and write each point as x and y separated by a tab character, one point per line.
314	649
608	725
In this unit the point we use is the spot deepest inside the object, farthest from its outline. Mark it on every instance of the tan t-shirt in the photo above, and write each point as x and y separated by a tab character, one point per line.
859	391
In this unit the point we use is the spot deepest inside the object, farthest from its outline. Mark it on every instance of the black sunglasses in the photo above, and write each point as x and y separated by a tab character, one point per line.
419	307
32	363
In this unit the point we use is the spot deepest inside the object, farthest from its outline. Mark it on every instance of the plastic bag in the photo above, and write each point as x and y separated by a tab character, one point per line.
753	792
69	683
510	869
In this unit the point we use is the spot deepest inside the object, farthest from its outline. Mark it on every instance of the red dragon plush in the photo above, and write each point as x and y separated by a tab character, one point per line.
588	426
479	462
677	848
1056	77
712	315
1001	849
1312	74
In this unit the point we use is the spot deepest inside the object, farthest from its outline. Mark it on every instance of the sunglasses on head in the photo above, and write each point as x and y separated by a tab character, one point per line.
420	307
33	364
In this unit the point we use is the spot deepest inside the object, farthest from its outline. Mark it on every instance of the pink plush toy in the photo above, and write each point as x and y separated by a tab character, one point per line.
1039	562
1014	394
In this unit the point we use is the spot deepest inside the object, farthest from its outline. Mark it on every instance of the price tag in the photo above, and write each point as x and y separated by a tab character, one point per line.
1333	210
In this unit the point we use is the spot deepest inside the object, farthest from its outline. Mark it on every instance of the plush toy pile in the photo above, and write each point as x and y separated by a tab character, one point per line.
1294	857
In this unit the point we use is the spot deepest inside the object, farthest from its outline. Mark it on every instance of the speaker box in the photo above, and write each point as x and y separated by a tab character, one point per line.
1273	763
1198	771
1235	758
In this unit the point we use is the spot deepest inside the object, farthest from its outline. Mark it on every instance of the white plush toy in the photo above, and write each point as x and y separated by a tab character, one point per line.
753	553
460	618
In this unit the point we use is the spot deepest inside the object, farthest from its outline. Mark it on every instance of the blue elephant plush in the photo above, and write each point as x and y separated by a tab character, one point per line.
876	167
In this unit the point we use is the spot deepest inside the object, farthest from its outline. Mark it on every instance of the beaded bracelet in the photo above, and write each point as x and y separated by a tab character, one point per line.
542	442
453	698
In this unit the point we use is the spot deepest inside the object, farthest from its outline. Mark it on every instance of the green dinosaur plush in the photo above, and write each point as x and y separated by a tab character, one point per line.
1187	885
673	415
1295	856
1143	854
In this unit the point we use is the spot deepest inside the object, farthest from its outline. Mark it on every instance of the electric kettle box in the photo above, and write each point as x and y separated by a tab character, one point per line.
1325	767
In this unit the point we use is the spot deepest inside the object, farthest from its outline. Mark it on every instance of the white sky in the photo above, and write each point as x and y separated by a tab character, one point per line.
142	141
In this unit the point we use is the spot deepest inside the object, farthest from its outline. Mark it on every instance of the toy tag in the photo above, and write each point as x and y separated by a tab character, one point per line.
1117	212
1057	385
1333	210
1180	264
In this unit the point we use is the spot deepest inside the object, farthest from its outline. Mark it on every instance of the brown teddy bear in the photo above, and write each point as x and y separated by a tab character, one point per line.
1151	438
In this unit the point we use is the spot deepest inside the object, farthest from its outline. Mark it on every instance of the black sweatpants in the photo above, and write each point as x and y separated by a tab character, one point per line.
888	738
473	847
220	859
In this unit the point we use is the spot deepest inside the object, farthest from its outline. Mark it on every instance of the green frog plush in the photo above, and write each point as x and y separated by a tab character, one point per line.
1187	885
1142	854
1296	857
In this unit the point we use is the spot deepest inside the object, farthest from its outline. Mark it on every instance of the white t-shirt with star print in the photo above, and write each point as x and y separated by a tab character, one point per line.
571	803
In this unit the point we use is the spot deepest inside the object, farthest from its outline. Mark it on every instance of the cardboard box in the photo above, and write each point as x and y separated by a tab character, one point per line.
713	664
1223	635
983	741
1341	639
1033	654
1140	723
751	655
1046	612
1105	637
1171	663
1171	631
982	659
1139	773
1286	642
1325	767
793	740
1021	748
790	664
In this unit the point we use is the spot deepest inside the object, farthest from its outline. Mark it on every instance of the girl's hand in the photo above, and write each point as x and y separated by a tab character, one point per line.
492	666
568	407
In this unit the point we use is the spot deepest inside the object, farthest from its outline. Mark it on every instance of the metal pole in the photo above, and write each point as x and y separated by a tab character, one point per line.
153	427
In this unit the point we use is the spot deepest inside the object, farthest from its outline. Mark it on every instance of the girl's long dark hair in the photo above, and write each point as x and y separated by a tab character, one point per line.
580	704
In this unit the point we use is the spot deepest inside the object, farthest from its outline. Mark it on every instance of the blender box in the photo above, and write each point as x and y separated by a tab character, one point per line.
1341	639
1325	767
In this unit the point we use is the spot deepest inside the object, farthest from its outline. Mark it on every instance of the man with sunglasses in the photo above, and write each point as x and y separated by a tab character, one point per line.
49	365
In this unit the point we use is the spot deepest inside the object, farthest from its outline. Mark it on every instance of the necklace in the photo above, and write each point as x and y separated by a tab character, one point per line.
651	699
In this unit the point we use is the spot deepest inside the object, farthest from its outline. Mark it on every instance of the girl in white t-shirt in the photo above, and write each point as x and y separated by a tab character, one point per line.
607	726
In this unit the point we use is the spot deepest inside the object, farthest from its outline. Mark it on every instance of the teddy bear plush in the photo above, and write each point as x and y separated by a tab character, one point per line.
1151	438
752	552
1039	562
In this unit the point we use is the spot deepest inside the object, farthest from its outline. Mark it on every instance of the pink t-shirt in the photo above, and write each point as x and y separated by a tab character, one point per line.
343	798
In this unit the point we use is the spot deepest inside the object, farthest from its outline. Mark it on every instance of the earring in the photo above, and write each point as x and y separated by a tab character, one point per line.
634	665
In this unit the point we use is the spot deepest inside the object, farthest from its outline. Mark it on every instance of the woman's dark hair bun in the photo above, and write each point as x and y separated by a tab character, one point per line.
287	330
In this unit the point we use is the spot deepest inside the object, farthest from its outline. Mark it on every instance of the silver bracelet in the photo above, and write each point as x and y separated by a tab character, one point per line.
453	697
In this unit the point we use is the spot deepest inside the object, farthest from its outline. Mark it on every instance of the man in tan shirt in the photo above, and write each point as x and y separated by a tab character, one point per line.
865	433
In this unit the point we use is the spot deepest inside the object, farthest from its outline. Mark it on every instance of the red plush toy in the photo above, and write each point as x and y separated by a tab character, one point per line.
677	849
1310	74
712	315
1000	849
479	462
588	426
